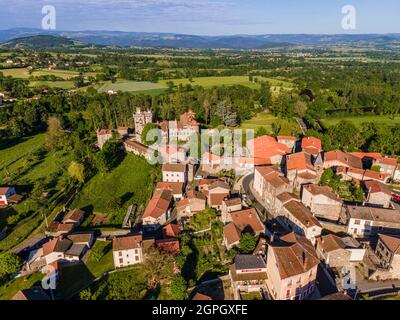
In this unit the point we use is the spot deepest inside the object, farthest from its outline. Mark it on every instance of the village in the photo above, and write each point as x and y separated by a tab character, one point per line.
298	223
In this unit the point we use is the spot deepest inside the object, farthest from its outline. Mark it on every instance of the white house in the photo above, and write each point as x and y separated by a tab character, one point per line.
127	251
174	172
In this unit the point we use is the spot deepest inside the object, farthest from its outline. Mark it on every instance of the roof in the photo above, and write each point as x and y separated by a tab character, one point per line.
272	176
286	196
345	158
247	218
231	233
290	138
376	175
175	187
330	243
137	146
174	167
299	161
65	227
374	186
363	155
301	213
104	132
374	214
219	184
200	296
159	203
56	245
311	145
247	276
391	242
192	194
127	243
80	237
34	293
74	215
232	202
266	147
386	161
76	250
294	255
4	191
322	190
215	199
171	230
248	261
168	245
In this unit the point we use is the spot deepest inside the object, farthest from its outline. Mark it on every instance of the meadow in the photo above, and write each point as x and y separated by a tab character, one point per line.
208	82
132	182
131	86
358	120
23	73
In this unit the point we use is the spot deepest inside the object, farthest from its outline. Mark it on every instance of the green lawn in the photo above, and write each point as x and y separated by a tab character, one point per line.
8	290
53	84
232	80
358	120
131	86
132	182
103	262
260	120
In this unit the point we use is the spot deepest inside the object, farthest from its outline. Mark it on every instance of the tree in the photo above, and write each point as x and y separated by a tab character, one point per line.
77	171
300	108
9	263
79	81
147	128
110	156
247	243
55	134
85	294
261	131
157	266
178	287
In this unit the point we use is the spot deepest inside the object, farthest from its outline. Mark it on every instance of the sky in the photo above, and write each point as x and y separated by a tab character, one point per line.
206	17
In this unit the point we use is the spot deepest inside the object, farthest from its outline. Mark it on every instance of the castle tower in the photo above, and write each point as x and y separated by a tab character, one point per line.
141	118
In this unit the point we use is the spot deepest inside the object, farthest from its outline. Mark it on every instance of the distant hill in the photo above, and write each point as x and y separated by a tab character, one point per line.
171	40
41	41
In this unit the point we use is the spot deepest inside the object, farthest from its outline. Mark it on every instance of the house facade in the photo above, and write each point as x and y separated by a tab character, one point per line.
5	194
127	251
174	172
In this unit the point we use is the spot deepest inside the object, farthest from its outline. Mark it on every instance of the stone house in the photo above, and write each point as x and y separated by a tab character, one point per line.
228	206
103	136
388	252
332	250
377	194
292	264
193	202
300	169
322	201
337	158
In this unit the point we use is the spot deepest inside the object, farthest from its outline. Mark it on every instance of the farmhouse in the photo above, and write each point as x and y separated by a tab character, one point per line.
322	201
292	264
74	217
158	212
377	193
127	251
368	221
193	202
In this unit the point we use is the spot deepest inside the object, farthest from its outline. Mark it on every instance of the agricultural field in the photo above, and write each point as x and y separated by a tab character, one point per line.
260	120
53	84
358	120
23	73
132	182
207	82
132	86
8	290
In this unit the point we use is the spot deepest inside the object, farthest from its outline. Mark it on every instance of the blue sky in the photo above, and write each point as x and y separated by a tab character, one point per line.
211	17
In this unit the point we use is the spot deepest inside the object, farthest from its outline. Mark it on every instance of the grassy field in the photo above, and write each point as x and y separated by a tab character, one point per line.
131	86
53	84
233	80
260	120
132	182
358	120
24	74
8	290
104	262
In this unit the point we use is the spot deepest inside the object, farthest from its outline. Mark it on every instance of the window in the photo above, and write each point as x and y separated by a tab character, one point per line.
121	260
288	293
299	280
357	222
137	258
120	254
289	283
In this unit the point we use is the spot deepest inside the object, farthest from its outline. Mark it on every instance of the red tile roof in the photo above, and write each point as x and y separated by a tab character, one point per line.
330	243
386	161
266	147
392	242
299	161
322	190
231	234
294	255
215	199
374	186
174	167
168	245
159	204
175	187
302	213
363	155
311	145
171	230
127	243
247	218
346	159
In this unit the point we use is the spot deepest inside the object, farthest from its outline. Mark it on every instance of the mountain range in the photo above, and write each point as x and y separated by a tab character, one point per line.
171	40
